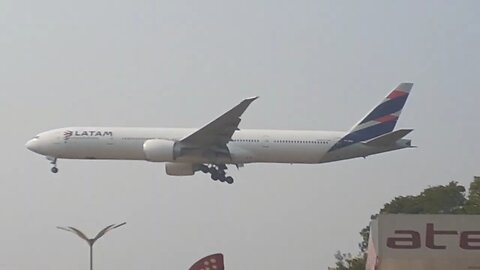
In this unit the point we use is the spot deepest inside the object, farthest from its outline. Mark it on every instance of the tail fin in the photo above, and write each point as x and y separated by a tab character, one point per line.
381	120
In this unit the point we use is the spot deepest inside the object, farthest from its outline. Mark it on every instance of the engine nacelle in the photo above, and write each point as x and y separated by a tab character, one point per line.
179	169
158	150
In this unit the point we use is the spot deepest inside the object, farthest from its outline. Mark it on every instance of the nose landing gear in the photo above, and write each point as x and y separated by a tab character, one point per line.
53	161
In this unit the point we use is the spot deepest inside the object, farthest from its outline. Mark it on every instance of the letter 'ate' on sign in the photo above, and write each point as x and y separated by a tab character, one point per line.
409	239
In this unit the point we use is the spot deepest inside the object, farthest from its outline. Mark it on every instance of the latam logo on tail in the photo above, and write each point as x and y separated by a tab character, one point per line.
411	239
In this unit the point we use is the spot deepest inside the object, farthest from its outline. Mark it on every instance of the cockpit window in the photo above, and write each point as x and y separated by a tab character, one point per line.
36	137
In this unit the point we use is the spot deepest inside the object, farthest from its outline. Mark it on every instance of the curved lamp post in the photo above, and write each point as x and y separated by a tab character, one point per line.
91	241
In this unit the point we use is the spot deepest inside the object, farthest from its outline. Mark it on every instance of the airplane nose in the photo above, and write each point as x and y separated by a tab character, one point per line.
33	145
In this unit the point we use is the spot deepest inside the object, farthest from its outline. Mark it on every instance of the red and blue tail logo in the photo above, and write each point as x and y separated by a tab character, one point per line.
382	119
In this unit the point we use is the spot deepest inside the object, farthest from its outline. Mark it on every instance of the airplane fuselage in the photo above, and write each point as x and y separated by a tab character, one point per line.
246	146
220	142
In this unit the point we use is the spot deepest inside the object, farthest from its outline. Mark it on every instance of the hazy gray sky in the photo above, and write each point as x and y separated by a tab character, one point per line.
315	65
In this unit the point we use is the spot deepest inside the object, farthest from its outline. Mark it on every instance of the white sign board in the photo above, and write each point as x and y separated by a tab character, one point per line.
424	242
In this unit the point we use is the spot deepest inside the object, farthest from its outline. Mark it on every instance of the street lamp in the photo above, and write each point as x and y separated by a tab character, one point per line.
91	241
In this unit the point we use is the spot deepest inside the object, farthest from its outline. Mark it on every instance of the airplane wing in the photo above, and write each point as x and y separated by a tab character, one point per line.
220	131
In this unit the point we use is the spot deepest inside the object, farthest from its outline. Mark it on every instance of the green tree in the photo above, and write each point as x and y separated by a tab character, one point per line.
448	199
472	206
349	262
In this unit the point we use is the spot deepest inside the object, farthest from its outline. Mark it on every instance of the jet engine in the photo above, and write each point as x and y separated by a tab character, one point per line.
158	150
179	169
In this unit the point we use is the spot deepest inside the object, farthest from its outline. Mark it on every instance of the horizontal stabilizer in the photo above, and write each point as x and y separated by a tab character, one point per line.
389	138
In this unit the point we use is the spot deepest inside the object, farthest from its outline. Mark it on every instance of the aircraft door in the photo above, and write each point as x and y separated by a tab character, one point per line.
265	141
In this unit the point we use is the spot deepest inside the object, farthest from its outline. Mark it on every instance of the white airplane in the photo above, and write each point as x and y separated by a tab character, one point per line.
220	142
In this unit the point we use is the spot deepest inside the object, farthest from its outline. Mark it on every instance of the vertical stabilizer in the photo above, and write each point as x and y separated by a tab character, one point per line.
381	120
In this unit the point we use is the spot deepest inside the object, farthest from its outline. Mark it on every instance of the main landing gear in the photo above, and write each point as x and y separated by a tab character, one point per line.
53	161
217	172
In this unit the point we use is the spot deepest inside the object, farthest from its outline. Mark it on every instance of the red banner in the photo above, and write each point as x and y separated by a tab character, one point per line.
212	262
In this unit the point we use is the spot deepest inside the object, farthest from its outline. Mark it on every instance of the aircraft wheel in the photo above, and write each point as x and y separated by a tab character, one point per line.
212	170
229	180
214	176
54	170
204	169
